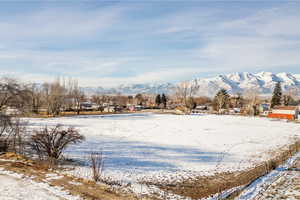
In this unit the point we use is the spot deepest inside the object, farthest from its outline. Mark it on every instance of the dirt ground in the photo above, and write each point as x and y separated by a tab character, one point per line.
286	186
85	189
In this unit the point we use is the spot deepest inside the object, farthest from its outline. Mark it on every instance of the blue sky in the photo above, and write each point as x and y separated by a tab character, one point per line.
107	43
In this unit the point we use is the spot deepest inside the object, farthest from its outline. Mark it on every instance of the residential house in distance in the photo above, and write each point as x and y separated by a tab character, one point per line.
264	109
285	112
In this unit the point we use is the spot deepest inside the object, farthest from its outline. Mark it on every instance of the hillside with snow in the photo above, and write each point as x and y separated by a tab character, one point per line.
264	82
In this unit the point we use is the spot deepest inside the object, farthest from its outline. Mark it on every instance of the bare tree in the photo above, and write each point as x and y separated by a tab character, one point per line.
51	142
121	100
12	94
17	136
5	130
252	97
290	96
55	96
76	94
139	98
99	100
36	97
236	101
185	92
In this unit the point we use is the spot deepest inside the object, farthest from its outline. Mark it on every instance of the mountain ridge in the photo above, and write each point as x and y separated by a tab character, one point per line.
237	82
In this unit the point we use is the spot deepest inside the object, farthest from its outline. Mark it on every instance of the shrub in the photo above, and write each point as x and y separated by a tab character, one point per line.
17	135
3	145
5	130
51	142
97	163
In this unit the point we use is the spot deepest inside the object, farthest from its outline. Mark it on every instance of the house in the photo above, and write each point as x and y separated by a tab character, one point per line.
264	109
235	111
86	106
284	112
11	111
199	109
138	107
110	108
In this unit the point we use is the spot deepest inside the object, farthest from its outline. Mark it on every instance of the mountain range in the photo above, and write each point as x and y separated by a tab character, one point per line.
239	82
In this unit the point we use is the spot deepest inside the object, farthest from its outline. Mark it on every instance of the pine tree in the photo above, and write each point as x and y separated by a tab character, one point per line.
277	95
221	99
158	100
164	100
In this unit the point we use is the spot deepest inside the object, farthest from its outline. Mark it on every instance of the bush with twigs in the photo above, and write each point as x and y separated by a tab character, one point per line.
12	131
97	164
51	142
5	129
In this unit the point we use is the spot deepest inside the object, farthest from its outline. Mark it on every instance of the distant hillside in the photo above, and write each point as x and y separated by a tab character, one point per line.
235	82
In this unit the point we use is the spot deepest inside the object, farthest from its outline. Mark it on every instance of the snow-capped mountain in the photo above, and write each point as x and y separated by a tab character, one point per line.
132	89
264	82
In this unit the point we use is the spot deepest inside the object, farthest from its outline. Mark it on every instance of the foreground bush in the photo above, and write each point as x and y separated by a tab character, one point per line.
12	131
97	164
51	142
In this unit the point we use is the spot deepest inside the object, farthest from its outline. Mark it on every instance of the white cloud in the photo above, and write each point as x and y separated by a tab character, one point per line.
71	63
166	75
276	21
202	41
59	23
245	52
267	40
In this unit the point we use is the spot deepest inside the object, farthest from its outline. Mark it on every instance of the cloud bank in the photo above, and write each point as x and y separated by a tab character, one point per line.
119	43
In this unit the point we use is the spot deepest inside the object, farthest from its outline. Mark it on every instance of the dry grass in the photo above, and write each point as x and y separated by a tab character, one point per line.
200	187
97	163
86	189
205	186
69	114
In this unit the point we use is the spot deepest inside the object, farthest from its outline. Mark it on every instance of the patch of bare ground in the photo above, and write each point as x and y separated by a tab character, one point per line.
205	186
287	186
76	186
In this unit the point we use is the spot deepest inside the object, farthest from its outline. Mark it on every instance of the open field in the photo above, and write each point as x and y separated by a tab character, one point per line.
170	148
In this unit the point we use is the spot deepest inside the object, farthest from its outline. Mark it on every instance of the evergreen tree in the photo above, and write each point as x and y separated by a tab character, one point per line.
158	100
277	95
221	99
164	100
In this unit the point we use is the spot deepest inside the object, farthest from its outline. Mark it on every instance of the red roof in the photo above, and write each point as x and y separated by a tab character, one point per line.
285	107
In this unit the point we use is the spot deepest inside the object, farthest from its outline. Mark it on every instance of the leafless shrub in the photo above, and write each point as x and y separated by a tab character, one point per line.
50	142
5	121
12	131
5	129
16	138
97	164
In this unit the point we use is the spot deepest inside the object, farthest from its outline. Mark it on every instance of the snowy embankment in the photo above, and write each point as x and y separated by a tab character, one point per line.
170	148
16	186
260	185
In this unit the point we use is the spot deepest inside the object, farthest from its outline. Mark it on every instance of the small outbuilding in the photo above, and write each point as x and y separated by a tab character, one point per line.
284	112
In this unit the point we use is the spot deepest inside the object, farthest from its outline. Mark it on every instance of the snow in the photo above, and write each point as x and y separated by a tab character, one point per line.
50	177
235	82
170	148
14	186
260	185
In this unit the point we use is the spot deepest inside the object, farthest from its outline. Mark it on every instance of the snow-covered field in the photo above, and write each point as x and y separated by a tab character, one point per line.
168	148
